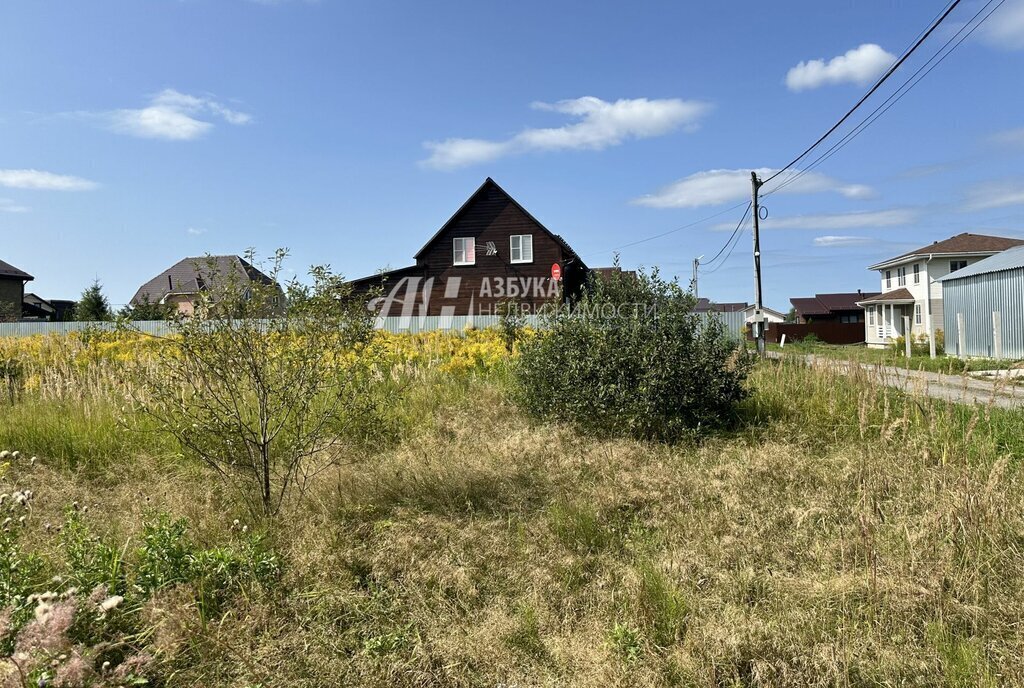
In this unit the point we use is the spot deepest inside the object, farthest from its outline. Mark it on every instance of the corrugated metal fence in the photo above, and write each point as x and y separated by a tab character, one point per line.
734	323
973	301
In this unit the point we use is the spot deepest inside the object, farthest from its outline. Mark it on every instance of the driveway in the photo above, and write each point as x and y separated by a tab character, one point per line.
960	389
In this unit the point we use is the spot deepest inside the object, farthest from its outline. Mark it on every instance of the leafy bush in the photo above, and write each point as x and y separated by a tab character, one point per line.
255	379
632	358
918	345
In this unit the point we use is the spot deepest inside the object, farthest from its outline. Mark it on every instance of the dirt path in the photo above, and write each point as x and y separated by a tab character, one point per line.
960	389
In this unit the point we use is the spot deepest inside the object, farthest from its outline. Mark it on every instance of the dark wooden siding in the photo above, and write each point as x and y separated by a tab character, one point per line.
489	216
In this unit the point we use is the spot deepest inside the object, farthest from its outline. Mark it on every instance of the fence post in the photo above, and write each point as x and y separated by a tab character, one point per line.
906	335
997	333
961	336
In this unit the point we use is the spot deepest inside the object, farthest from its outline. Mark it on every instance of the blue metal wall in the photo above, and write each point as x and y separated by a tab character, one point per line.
977	297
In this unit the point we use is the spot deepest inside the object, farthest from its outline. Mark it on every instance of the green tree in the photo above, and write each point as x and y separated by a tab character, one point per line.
632	358
791	316
93	306
9	312
146	310
258	381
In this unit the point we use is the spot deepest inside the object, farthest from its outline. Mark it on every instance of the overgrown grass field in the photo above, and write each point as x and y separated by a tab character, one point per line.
836	532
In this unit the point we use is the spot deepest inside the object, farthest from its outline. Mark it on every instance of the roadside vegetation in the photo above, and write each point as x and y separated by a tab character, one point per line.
895	356
834	532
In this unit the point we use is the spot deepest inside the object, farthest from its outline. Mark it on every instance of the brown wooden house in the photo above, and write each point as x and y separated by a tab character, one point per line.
491	252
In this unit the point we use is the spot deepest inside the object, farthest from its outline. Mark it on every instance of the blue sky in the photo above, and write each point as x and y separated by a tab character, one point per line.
137	132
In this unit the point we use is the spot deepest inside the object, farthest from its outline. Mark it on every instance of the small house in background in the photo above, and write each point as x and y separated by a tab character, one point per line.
833	318
704	306
12	291
911	287
769	315
838	307
179	285
492	251
35	307
983	307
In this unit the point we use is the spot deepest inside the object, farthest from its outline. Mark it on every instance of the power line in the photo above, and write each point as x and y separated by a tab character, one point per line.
871	90
726	259
731	236
906	48
899	93
677	229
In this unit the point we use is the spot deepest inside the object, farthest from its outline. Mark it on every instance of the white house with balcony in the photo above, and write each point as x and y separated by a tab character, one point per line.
911	290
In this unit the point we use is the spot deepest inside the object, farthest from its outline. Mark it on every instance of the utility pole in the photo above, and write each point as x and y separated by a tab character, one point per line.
696	266
755	186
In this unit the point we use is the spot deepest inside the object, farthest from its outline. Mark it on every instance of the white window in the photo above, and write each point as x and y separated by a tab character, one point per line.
521	246
917	314
465	251
888	279
901	277
917	273
871	315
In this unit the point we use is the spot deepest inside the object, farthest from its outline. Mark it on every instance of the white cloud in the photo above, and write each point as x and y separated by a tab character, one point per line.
9	206
602	124
1008	137
713	187
1005	29
37	179
995	195
453	153
858	66
893	217
195	231
173	115
831	240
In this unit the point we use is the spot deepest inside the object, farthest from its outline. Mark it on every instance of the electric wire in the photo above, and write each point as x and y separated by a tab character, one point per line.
896	65
727	241
677	229
936	59
726	259
905	50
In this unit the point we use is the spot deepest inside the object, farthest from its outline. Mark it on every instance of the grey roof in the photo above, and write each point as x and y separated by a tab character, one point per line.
1006	260
192	275
8	270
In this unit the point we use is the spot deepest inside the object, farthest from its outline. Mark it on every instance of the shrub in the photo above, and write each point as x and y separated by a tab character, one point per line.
253	386
810	339
632	358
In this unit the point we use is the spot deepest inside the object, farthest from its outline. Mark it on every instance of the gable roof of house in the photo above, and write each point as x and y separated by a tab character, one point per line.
1010	259
764	309
901	295
8	270
809	306
488	185
704	305
963	243
192	275
826	304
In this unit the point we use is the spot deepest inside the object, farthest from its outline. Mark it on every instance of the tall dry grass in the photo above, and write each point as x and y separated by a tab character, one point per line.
846	534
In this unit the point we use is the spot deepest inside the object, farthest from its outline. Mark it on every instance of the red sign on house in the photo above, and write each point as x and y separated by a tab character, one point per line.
556	272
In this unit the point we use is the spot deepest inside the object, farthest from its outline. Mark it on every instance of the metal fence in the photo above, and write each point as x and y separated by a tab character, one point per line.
734	324
984	314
